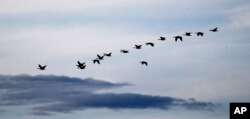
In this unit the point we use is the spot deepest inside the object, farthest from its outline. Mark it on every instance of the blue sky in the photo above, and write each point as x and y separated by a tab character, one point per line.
212	69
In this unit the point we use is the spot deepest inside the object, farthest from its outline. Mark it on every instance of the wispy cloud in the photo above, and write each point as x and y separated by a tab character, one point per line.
122	12
240	16
63	94
94	6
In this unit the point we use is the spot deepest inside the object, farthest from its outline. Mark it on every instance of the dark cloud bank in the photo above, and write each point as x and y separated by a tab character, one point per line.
63	94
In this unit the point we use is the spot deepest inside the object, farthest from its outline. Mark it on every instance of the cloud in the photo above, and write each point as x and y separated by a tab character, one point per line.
1	111
61	94
36	6
31	6
240	16
151	14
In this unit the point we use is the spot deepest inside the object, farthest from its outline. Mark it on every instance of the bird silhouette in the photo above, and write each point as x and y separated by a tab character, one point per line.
100	57
41	67
124	51
199	33
162	38
82	67
79	64
107	54
178	37
149	43
144	63
188	34
96	61
214	30
137	46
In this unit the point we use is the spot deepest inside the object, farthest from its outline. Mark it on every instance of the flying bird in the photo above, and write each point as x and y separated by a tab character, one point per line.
144	63
124	51
79	64
187	34
214	30
107	54
162	38
149	43
100	57
199	33
41	67
82	67
96	61
178	37
137	46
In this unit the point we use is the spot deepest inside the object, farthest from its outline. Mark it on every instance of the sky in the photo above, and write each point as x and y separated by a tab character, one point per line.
193	79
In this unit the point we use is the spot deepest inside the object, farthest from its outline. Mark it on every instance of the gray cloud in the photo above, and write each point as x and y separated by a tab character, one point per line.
61	94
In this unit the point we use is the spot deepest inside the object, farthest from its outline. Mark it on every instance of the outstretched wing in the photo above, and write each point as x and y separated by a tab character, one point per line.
98	61
98	56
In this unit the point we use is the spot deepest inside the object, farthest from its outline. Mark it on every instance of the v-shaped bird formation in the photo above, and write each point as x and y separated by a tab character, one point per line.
98	59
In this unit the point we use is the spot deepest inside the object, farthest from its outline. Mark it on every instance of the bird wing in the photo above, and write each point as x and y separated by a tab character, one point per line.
175	39
83	66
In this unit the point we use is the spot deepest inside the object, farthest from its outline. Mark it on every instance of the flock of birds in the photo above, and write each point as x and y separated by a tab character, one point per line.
99	57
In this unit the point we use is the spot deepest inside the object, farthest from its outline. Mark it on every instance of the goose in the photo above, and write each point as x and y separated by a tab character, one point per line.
82	67
144	63
124	51
79	64
137	46
162	38
187	34
149	43
100	57
107	54
41	67
178	37
199	33
96	61
214	30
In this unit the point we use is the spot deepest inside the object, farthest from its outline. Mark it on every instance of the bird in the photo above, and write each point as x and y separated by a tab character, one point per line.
178	37
41	67
144	63
199	33
137	46
96	61
107	54
214	30
82	67
188	34
79	64
100	57
162	38
124	51
149	43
